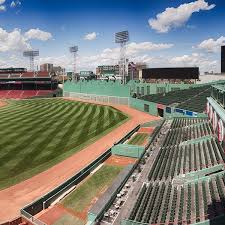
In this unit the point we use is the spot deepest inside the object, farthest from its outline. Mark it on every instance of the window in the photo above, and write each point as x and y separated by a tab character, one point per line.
142	91
138	90
146	108
161	90
148	90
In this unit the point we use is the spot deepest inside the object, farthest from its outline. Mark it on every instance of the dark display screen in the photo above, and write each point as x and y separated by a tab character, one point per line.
223	59
171	73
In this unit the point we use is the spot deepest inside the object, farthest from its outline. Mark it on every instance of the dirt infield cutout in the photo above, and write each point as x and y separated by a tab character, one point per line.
3	103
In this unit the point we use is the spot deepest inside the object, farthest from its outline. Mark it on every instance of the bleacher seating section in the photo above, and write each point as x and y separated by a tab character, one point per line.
164	198
32	74
21	94
164	203
4	76
193	99
42	74
15	75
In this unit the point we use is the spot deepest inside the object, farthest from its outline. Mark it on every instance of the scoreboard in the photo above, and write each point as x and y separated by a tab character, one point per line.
223	59
171	73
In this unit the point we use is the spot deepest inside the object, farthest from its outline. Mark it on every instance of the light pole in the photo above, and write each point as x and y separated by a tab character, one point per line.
73	51
122	38
31	55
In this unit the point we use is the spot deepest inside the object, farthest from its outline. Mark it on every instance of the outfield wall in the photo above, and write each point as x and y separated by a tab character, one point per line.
111	88
97	87
114	93
142	105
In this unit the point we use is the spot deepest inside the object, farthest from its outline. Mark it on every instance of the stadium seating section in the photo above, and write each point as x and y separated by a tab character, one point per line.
26	75
193	99
188	146
162	202
21	94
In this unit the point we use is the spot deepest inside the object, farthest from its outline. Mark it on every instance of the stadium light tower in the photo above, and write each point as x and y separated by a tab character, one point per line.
73	51
31	55
122	38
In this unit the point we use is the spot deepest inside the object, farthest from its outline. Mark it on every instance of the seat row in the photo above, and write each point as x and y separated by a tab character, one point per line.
183	122
165	203
173	161
178	135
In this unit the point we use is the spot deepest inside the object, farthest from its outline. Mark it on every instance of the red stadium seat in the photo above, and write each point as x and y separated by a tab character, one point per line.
28	74
22	94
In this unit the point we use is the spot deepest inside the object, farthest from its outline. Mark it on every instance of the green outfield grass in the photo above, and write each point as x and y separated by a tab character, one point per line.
67	219
81	197
138	139
37	134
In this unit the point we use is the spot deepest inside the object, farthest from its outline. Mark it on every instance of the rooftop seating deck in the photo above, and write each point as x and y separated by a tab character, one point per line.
193	99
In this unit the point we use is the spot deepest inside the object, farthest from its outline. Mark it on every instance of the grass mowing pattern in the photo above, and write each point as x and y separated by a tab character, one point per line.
81	197
138	139
37	134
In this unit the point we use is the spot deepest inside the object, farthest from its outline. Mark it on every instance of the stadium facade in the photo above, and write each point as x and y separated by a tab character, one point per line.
216	112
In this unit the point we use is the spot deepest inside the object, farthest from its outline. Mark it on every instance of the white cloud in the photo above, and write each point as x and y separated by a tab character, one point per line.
12	41
15	3
204	62
109	56
200	60
17	41
38	35
212	45
133	47
91	36
2	8
91	62
177	17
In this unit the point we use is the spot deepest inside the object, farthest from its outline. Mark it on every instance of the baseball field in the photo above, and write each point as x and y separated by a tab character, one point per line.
37	134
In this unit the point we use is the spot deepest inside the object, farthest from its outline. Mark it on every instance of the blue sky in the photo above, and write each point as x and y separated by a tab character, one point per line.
157	37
